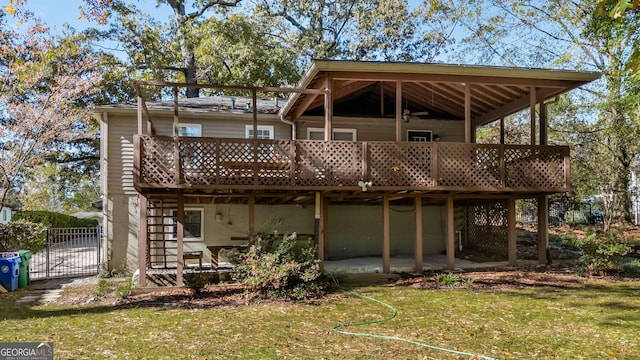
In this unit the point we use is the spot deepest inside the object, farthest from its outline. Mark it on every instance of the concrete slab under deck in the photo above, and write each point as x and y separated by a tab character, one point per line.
373	265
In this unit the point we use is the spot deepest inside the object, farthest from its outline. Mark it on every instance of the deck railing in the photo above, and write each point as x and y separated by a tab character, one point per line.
204	163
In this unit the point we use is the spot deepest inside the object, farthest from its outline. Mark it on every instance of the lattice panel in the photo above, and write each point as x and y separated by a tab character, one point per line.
461	165
156	160
161	243
236	162
538	168
198	156
487	228
344	161
311	165
274	162
399	164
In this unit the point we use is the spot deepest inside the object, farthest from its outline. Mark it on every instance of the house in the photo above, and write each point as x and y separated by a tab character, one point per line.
372	160
5	215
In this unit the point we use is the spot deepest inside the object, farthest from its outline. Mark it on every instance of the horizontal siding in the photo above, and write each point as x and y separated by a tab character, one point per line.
120	155
384	129
231	126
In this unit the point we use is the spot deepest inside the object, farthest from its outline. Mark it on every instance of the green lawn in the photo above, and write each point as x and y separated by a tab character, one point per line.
595	321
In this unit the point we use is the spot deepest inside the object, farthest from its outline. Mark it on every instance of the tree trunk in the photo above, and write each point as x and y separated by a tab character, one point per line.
186	49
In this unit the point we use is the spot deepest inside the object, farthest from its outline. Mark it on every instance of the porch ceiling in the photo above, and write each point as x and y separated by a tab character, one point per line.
431	90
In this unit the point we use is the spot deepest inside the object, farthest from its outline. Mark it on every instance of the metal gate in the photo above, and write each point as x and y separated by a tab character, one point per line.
70	252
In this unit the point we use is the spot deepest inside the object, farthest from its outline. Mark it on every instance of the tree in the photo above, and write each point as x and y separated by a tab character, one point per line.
42	83
576	35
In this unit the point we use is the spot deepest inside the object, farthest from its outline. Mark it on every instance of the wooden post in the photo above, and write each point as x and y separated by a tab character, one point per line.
502	130
140	100
399	111
511	231
142	241
328	109
176	141
320	216
180	236
252	215
467	113
532	109
418	254
543	229
543	123
386	249
450	247
381	99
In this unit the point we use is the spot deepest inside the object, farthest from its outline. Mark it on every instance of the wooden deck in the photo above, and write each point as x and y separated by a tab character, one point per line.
188	163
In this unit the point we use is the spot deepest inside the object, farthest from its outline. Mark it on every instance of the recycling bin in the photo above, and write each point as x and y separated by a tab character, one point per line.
24	278
9	271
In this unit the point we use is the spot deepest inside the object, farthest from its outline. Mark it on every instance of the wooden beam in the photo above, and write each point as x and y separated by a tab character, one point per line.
511	231
231	87
320	216
449	78
328	109
180	236
543	123
543	229
386	248
450	246
252	214
532	110
467	113
142	241
418	247
398	111
514	106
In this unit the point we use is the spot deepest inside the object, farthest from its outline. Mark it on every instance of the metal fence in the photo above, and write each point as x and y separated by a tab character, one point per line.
559	213
69	252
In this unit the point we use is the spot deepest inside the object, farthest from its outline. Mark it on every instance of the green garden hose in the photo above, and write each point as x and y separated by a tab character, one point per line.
394	312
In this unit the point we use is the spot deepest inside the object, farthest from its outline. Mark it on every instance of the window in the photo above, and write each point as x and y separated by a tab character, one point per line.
193	224
338	134
5	215
419	135
191	130
264	131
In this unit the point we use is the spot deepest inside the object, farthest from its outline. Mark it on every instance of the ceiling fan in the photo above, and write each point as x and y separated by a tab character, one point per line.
407	115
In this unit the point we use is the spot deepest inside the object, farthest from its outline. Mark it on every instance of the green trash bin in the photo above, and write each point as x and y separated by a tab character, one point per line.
23	277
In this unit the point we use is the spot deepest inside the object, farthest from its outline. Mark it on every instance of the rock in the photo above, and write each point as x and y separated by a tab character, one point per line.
135	278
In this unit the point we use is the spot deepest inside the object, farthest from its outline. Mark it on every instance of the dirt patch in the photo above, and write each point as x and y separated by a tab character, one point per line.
233	295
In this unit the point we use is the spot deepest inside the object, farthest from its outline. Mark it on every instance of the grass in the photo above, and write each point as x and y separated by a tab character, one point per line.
600	320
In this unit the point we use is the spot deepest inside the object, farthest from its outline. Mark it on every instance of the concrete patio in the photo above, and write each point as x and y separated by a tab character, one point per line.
373	265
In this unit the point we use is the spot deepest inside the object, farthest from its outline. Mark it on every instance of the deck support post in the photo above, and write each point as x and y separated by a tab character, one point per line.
532	110
450	247
180	236
467	114
399	111
319	229
543	229
252	215
386	248
328	109
143	238
418	251
512	244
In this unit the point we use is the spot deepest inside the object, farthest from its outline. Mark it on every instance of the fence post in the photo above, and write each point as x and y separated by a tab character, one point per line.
47	252
99	252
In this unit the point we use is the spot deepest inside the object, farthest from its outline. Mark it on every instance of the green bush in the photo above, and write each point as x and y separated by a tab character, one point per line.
23	235
196	281
54	219
452	279
273	266
631	268
603	251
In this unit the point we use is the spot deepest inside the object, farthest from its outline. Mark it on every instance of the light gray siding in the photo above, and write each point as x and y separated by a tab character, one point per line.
369	129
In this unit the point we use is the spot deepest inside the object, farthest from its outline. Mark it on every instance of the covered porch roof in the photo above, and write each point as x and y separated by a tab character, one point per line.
436	91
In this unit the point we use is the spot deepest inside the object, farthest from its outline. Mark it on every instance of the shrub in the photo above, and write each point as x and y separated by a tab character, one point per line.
273	266
196	281
603	251
631	268
54	219
23	235
451	279
124	290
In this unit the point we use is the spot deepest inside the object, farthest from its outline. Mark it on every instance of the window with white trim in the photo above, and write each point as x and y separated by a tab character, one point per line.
338	134
264	131
419	135
190	130
193	224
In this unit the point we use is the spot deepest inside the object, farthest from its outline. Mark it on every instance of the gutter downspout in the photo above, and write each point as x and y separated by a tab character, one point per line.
290	123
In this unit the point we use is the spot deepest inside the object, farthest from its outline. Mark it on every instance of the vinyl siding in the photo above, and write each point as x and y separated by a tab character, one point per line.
369	129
